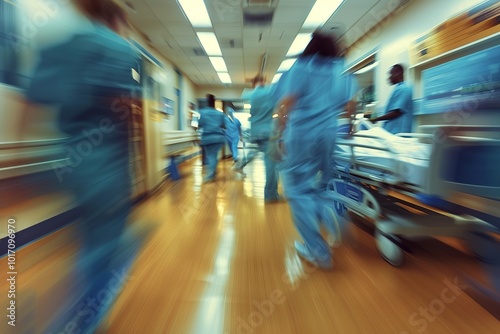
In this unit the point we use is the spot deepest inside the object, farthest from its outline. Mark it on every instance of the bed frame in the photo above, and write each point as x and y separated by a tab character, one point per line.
405	211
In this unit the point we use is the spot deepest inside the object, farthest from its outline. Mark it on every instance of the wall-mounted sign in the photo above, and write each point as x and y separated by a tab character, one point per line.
469	83
167	106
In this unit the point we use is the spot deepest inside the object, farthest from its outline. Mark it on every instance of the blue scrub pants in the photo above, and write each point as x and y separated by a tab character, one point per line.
212	157
102	185
271	187
233	146
203	156
308	151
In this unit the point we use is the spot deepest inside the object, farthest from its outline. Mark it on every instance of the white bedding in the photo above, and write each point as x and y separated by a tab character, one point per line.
407	162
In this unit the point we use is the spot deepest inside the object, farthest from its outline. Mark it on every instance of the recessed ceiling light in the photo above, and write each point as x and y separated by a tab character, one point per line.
277	76
321	12
224	77
209	43
299	44
196	12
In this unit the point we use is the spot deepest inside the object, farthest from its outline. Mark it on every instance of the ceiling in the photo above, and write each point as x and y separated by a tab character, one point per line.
243	46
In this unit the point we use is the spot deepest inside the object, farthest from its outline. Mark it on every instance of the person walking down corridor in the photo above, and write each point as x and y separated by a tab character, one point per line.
320	92
261	120
89	78
212	138
399	110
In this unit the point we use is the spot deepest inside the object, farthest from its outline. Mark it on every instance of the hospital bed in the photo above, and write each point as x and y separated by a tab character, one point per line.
413	185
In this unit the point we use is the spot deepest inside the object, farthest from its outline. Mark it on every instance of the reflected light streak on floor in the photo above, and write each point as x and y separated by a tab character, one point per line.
197	176
294	267
255	181
210	317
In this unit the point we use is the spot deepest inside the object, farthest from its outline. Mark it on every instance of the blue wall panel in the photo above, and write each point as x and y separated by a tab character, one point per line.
470	83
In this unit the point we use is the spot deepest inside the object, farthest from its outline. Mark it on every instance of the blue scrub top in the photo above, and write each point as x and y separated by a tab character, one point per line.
401	98
233	127
212	124
261	112
89	77
321	90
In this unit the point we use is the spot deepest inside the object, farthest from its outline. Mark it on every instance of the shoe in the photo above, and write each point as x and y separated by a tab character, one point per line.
208	179
332	241
304	253
239	170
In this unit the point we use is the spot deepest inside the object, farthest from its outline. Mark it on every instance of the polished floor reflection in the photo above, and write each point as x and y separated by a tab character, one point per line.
221	261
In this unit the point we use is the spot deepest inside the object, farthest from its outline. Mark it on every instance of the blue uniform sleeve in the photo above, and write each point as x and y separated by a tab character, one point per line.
399	99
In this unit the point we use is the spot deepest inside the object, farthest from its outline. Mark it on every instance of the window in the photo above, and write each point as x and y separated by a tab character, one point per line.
364	70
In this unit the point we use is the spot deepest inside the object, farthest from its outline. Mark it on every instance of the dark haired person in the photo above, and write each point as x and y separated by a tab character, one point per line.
399	110
213	138
320	92
89	77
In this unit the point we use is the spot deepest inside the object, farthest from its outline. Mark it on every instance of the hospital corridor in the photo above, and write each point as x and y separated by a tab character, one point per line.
216	259
249	166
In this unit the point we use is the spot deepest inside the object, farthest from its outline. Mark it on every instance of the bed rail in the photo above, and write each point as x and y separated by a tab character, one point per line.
390	172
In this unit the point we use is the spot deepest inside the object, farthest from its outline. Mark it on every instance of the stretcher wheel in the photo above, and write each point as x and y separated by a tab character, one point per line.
389	250
484	247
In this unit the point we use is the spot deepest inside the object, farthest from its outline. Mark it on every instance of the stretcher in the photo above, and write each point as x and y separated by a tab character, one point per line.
412	186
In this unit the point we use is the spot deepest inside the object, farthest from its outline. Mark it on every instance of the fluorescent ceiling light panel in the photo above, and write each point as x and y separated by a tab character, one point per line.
224	77
209	43
286	64
196	12
299	44
218	63
277	76
321	12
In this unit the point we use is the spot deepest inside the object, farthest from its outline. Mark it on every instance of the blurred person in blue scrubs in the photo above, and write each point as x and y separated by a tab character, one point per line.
212	124
195	117
399	110
316	92
233	132
89	77
261	119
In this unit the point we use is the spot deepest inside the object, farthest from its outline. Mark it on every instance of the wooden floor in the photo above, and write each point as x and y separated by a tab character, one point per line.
221	261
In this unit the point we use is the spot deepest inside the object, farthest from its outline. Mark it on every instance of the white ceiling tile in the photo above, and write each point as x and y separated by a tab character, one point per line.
242	47
232	54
